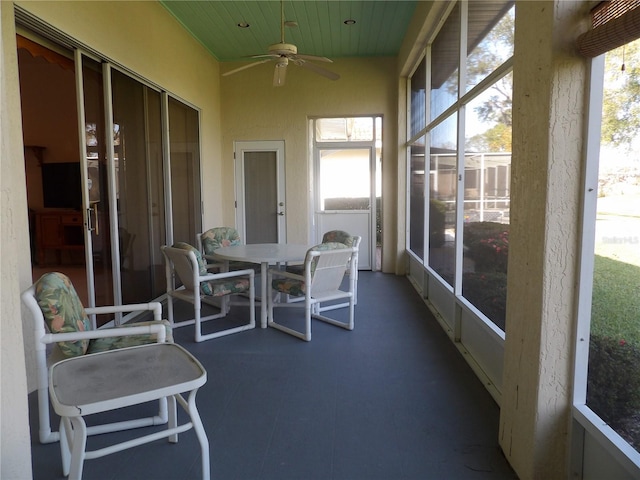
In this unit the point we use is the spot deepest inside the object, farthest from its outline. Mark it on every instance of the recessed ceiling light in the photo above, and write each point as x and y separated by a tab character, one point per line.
243	25
350	22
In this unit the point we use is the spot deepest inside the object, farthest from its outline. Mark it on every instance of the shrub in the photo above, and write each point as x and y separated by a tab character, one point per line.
437	212
613	384
487	291
487	244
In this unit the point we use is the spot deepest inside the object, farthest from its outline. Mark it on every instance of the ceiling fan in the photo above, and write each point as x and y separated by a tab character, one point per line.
283	53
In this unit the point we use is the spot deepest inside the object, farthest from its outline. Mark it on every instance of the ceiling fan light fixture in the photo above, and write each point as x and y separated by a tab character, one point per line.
283	49
283	53
243	25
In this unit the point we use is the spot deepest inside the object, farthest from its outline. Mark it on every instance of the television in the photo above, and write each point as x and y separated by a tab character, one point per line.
61	185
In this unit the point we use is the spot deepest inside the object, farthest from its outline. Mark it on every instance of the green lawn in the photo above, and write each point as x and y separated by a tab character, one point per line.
615	310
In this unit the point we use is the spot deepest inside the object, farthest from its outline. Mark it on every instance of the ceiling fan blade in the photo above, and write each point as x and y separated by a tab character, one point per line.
313	57
264	55
317	69
244	67
279	74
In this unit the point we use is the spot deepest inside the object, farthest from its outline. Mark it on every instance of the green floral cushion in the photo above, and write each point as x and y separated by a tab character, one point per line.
338	236
229	286
202	265
296	288
215	288
112	343
218	237
63	312
333	236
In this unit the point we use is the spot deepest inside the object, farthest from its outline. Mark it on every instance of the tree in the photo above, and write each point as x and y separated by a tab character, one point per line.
496	109
621	96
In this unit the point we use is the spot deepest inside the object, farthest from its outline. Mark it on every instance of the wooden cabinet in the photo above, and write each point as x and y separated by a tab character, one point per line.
58	230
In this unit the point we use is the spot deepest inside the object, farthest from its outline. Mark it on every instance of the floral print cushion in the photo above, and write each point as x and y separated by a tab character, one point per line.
296	288
338	236
205	288
218	237
333	236
229	286
98	345
63	312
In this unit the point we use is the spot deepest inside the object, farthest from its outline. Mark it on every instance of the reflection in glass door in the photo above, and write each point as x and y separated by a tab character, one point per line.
96	193
138	187
97	154
184	157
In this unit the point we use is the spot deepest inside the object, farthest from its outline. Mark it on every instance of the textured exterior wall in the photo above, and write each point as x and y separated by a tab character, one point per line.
548	122
252	109
15	271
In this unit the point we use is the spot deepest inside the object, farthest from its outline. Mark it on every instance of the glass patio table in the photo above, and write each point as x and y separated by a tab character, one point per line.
265	254
114	379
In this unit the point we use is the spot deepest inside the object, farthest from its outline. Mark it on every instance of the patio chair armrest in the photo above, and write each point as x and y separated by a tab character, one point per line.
154	329
155	307
235	273
214	262
216	265
283	273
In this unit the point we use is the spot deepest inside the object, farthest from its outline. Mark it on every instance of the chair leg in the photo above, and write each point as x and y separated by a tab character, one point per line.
307	321
197	324
170	309
44	417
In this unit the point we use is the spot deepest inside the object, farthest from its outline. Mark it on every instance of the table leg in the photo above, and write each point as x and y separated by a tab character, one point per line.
78	446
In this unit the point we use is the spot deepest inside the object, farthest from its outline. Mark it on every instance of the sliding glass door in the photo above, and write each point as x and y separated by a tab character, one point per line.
105	178
138	187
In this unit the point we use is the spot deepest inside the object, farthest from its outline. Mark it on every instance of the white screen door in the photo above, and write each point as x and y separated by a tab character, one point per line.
347	159
261	209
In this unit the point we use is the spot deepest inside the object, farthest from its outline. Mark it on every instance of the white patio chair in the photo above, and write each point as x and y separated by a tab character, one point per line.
184	264
324	270
339	236
62	328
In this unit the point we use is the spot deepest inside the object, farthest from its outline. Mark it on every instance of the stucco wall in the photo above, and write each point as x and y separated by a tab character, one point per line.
252	109
549	106
15	271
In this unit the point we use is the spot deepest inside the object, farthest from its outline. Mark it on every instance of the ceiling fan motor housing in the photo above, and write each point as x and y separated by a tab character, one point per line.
283	49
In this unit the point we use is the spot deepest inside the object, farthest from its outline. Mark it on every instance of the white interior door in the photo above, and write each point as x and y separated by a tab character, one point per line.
260	192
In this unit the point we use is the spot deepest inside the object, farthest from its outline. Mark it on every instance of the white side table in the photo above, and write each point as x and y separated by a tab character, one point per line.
109	380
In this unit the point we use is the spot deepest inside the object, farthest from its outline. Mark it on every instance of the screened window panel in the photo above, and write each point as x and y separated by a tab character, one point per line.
442	198
490	33
418	99
445	55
